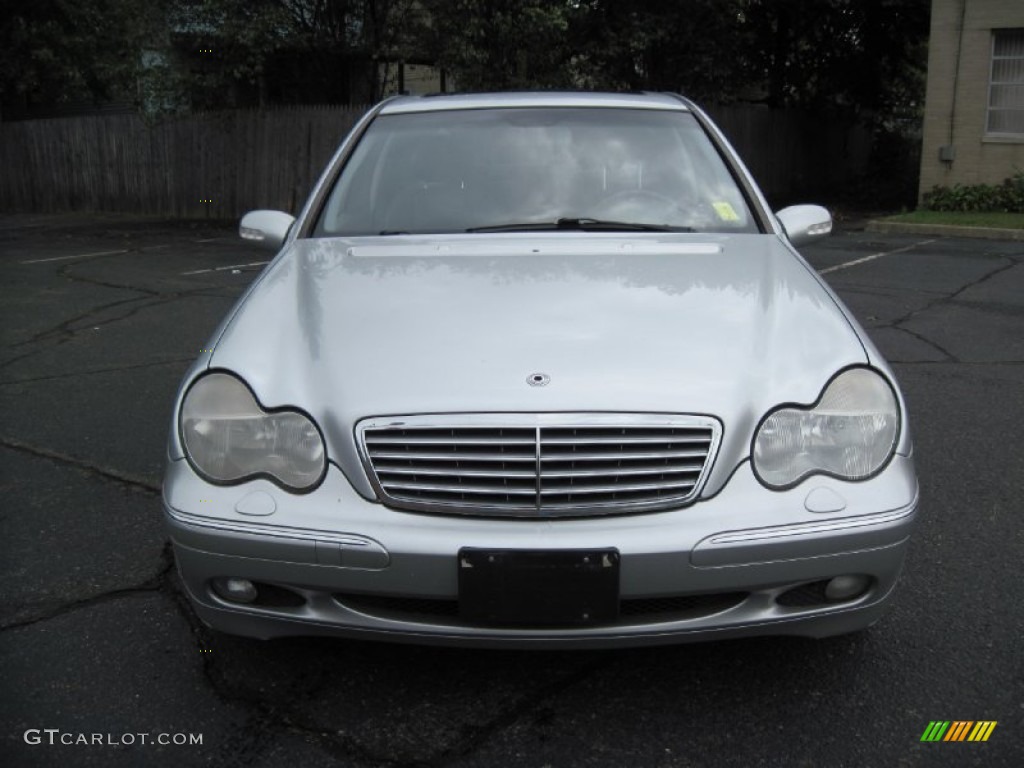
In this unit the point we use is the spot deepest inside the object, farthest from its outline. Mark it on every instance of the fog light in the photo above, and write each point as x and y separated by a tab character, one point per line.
235	590
846	587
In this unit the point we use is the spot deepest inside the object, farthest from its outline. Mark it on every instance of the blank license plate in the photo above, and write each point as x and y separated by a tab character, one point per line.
540	588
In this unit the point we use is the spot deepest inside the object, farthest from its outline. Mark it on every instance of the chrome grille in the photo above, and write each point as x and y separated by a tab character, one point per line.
545	465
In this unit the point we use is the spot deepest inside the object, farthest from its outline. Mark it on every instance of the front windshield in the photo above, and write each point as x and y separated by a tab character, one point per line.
520	169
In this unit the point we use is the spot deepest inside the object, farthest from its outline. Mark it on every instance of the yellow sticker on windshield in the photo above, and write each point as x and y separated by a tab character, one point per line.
725	211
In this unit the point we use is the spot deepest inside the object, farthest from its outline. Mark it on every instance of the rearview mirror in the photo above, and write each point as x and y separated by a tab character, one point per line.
804	223
267	228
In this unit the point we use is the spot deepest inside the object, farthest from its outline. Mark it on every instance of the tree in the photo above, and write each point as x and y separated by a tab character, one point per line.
295	51
864	57
59	51
502	44
695	47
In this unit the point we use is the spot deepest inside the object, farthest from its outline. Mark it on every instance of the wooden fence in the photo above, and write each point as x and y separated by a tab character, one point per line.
219	165
795	156
215	165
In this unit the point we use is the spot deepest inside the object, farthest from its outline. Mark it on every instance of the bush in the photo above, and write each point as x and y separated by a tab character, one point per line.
1006	197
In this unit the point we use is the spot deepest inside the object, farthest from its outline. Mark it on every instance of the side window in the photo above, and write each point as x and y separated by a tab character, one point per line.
349	204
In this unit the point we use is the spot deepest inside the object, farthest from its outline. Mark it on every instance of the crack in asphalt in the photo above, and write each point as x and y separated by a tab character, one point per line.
64	325
63	334
126	479
265	720
64	331
898	322
65	271
968	363
950	357
52	609
114	369
346	749
841	285
479	735
1011	262
993	307
268	719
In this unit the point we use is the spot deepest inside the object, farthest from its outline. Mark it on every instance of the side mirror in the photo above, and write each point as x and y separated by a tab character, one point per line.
805	223
268	228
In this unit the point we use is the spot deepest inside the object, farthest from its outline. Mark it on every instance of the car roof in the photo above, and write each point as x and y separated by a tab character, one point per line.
454	101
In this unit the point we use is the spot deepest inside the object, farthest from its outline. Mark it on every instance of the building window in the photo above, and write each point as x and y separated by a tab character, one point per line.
1006	85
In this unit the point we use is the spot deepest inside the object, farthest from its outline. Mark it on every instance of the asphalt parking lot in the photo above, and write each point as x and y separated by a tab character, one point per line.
101	316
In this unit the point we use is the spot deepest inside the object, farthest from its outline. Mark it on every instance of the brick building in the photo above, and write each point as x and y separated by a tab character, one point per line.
974	111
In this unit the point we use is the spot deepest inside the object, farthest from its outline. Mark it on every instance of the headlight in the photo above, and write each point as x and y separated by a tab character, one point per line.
228	437
849	433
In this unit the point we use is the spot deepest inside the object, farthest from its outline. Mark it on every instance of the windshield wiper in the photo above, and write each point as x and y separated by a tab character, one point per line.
582	224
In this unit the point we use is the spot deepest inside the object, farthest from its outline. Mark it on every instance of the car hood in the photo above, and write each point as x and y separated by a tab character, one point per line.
727	326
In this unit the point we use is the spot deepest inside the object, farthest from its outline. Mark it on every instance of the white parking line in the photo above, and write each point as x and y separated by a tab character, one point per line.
221	269
76	256
872	257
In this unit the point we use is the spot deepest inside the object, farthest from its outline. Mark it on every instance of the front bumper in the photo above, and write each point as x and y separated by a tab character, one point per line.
747	562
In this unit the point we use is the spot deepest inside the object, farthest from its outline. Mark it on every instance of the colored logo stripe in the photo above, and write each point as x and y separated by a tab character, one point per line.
958	730
982	730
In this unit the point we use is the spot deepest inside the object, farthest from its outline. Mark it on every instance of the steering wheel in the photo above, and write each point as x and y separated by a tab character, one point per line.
638	196
630	205
640	204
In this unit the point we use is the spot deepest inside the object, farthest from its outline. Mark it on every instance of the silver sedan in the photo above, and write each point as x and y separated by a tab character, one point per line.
539	370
